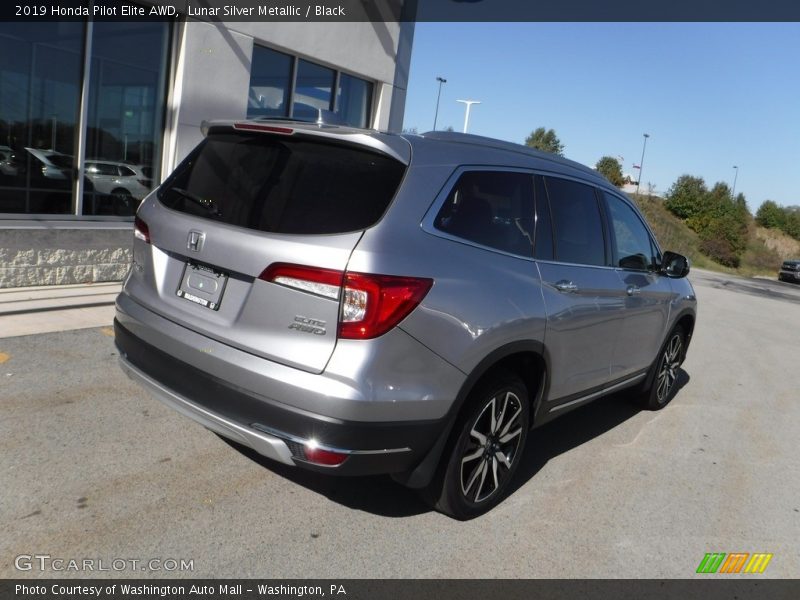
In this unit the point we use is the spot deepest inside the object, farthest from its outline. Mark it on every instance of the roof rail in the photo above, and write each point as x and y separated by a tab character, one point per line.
480	140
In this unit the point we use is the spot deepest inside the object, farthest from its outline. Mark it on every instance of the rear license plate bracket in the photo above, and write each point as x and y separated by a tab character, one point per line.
202	285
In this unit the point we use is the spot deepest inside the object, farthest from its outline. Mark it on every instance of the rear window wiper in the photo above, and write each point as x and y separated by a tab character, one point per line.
206	203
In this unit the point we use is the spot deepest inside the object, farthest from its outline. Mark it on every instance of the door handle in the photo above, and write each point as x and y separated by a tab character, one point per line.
566	287
633	290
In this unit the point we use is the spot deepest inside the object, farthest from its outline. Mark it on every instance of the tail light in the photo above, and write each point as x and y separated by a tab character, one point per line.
141	231
370	304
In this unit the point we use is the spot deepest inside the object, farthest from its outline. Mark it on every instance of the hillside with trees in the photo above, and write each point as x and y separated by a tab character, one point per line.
709	225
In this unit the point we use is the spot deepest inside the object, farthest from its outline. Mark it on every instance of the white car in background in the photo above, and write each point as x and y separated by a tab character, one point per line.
52	165
118	179
7	166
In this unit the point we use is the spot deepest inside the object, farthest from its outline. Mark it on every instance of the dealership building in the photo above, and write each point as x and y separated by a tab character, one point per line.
94	114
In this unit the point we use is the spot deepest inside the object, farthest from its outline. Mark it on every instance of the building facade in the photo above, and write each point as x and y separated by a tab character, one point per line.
94	114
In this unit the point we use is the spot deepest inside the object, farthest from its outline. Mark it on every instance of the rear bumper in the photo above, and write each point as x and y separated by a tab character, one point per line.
269	427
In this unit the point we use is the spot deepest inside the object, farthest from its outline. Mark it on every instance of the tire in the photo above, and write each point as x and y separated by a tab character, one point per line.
123	202
488	442
665	375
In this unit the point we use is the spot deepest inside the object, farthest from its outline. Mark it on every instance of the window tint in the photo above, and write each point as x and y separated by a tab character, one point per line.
283	185
491	208
126	171
577	223
544	226
632	246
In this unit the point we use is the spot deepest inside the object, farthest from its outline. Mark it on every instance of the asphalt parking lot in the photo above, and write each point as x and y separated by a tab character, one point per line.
93	468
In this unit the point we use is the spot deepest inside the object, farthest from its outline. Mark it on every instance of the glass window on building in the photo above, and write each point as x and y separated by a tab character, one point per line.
354	100
313	90
41	78
40	84
270	78
125	116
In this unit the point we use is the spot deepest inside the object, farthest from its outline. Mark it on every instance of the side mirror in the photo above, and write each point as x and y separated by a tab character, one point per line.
674	265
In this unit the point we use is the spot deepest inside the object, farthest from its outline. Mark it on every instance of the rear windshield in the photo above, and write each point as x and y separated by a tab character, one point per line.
283	184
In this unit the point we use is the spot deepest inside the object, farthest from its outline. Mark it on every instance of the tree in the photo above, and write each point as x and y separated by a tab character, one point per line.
792	225
609	167
545	140
770	215
686	198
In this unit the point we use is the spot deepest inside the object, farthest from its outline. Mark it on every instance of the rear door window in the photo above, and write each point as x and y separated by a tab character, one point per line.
283	184
577	222
491	208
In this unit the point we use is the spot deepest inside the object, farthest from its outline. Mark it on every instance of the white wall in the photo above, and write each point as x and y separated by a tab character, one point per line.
213	69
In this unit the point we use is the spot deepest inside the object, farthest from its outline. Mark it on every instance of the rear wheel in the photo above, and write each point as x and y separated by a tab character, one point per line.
123	201
490	437
665	377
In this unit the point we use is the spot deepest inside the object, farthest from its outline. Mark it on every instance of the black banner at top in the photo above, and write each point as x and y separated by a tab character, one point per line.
404	10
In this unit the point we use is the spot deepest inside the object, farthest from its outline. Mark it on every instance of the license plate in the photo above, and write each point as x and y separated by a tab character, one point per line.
202	285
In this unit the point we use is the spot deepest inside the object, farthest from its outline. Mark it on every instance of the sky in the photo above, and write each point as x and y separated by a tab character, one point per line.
710	95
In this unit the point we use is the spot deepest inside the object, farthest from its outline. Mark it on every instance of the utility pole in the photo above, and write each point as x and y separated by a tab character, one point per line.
641	163
441	80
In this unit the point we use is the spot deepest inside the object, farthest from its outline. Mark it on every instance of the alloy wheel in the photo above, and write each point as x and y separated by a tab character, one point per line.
494	443
668	370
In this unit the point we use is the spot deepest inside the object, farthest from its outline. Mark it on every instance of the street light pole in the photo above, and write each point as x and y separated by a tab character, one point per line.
641	163
735	176
441	80
468	104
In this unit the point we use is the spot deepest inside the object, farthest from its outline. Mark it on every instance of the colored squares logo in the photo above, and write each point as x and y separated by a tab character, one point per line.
735	562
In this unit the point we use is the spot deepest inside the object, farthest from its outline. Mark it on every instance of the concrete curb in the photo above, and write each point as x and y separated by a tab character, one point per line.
44	309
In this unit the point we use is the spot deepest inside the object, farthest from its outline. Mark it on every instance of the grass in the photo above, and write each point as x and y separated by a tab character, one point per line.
766	248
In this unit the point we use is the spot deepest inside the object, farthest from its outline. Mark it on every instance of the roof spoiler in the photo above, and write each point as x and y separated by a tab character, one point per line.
321	117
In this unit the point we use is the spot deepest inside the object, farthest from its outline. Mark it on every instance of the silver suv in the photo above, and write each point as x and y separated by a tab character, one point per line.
355	302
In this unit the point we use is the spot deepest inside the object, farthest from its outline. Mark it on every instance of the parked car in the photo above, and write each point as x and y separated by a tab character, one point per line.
354	302
50	168
118	179
790	271
8	166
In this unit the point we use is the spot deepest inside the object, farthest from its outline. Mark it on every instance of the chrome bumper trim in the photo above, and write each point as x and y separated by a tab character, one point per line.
267	445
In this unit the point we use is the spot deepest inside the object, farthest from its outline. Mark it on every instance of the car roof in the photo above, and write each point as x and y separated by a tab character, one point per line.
443	147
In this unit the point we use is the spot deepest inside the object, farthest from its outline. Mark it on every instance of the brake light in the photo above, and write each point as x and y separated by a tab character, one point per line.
141	231
322	282
370	304
264	128
373	304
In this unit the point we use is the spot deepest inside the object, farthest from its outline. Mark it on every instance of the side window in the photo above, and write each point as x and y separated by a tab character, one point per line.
544	225
576	221
633	248
102	169
491	208
126	172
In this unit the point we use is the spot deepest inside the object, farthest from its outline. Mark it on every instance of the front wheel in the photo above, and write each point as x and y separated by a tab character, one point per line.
490	439
664	379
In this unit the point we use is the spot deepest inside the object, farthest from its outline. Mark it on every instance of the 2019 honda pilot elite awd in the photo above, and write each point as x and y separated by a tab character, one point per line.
356	302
